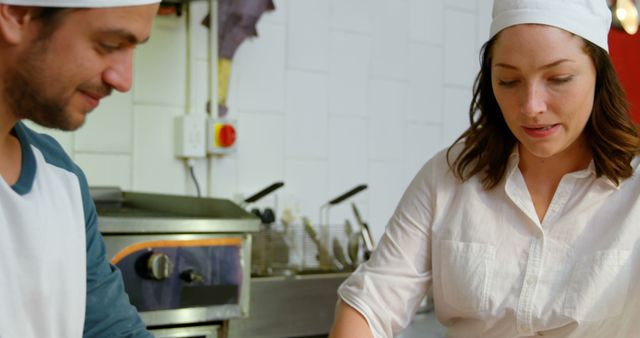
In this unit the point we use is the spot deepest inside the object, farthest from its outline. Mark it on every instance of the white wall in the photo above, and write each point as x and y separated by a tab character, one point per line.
331	95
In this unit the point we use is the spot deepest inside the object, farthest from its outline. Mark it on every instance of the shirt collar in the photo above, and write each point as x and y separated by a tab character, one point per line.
514	160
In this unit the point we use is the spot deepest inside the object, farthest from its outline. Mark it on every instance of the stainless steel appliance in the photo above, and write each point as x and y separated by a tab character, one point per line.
297	269
290	306
185	261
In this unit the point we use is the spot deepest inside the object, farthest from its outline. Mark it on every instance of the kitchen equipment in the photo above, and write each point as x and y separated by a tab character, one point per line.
338	253
353	247
324	258
185	261
353	243
290	306
324	209
367	238
301	303
264	192
338	260
270	250
205	331
348	228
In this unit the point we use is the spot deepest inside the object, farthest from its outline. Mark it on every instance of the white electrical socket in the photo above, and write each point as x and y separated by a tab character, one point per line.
190	135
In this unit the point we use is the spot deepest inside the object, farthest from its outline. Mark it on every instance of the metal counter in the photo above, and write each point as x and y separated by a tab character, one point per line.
292	306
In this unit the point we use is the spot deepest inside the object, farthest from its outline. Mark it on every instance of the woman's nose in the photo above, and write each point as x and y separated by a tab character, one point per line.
533	100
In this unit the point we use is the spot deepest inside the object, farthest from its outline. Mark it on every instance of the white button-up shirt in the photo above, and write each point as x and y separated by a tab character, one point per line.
496	270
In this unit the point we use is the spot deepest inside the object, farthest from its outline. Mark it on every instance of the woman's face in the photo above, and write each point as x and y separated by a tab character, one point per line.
544	83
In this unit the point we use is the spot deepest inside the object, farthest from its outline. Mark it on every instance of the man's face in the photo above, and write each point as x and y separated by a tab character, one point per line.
63	75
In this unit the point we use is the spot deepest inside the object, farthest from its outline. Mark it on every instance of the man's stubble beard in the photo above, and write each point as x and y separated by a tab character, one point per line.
28	92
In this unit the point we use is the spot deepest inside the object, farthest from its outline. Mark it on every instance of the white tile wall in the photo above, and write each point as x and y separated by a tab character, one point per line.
351	15
155	168
347	154
160	66
349	73
112	170
386	120
331	94
461	57
456	113
426	83
390	43
258	71
307	119
225	171
427	21
422	142
260	151
306	178
109	128
308	35
466	5
387	183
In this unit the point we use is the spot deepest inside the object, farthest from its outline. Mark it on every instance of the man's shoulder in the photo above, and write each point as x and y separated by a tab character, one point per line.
50	148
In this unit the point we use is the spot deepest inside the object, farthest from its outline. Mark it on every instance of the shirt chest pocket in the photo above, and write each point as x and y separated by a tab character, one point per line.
598	286
466	274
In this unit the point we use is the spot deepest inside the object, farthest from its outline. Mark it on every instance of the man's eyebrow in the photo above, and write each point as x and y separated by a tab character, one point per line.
126	35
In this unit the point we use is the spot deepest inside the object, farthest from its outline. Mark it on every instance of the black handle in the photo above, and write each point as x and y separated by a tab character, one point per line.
264	192
348	194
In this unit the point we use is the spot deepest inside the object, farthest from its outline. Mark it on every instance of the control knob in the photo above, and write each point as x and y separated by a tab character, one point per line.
159	266
190	276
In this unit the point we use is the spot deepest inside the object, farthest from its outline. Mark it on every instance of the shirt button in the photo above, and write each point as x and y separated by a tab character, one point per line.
531	281
524	327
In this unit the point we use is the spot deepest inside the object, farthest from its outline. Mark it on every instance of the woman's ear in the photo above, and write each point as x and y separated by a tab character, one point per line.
14	21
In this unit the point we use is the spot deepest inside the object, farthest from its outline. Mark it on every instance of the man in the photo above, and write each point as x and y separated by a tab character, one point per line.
56	64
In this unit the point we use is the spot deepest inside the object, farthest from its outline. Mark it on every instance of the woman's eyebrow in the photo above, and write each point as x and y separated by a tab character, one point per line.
549	65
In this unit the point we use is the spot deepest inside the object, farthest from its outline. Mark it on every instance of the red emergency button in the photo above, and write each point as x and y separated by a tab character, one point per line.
225	135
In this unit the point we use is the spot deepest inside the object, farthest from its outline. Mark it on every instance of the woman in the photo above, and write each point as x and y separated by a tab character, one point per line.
528	224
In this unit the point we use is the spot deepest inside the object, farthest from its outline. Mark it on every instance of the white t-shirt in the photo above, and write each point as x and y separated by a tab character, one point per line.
495	269
55	279
42	255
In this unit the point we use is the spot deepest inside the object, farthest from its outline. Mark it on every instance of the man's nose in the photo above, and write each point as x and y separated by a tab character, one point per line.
118	73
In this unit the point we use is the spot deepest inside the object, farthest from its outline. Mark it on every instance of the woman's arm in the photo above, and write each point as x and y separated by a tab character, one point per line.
349	323
386	289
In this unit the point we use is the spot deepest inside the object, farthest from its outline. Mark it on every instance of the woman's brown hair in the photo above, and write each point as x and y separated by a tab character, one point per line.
488	143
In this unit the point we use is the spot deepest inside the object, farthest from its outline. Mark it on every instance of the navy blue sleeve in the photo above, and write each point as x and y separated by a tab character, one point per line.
109	312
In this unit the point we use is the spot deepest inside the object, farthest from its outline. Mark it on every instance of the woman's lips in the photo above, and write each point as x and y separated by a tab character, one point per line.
541	131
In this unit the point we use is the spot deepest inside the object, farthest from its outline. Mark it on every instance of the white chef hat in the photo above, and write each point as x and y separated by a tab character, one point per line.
590	19
79	3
